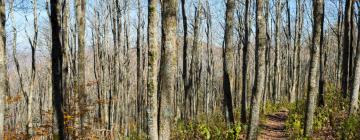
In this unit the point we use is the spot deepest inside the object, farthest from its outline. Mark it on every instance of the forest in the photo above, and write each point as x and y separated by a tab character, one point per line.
179	69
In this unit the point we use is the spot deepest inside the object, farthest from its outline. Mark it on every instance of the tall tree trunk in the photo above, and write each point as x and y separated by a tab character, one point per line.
33	44
258	89
339	39
245	62
346	48
354	105
66	65
228	59
56	66
194	67
277	83
322	61
314	62
4	86
167	66
80	21
296	53
152	84
210	59
185	75
139	69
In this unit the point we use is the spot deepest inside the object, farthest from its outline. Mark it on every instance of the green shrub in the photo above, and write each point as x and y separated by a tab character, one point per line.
350	128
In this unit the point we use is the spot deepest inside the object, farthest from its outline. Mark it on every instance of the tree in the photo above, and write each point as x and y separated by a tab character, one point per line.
228	62
167	66
297	44
80	21
139	69
277	82
33	44
56	67
245	62
185	75
4	89
314	62
194	77
354	105
152	84
346	47
258	89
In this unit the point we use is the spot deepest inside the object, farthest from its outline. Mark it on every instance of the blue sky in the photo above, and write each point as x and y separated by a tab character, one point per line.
23	10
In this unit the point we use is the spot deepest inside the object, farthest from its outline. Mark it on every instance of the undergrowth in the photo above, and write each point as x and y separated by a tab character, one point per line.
330	121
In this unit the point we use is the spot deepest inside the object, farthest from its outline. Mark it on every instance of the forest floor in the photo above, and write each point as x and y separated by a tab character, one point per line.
273	127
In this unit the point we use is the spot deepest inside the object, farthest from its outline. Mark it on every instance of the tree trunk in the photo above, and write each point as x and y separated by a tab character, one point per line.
228	59
354	105
322	83
346	48
296	53
314	62
56	66
167	66
258	89
80	21
277	83
152	84
245	63
4	86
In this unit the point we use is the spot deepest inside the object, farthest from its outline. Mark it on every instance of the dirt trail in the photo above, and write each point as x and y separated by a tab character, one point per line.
273	128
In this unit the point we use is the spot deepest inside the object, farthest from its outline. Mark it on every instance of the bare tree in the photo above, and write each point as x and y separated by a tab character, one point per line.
346	48
354	105
4	89
56	67
258	89
245	62
228	62
277	83
80	21
314	62
152	84
167	66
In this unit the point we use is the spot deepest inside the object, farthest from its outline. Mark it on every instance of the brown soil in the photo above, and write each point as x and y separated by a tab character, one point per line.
273	128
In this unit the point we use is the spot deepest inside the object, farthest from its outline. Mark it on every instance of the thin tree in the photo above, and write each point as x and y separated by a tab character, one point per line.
258	89
152	84
354	105
56	67
80	21
314	62
185	75
167	66
297	44
4	86
228	62
194	79
245	62
346	48
33	44
277	82
139	68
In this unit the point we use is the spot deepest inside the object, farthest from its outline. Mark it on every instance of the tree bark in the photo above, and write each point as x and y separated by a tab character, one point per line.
167	66
354	105
228	58
346	48
152	84
245	63
314	62
277	82
80	21
258	89
56	66
4	83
